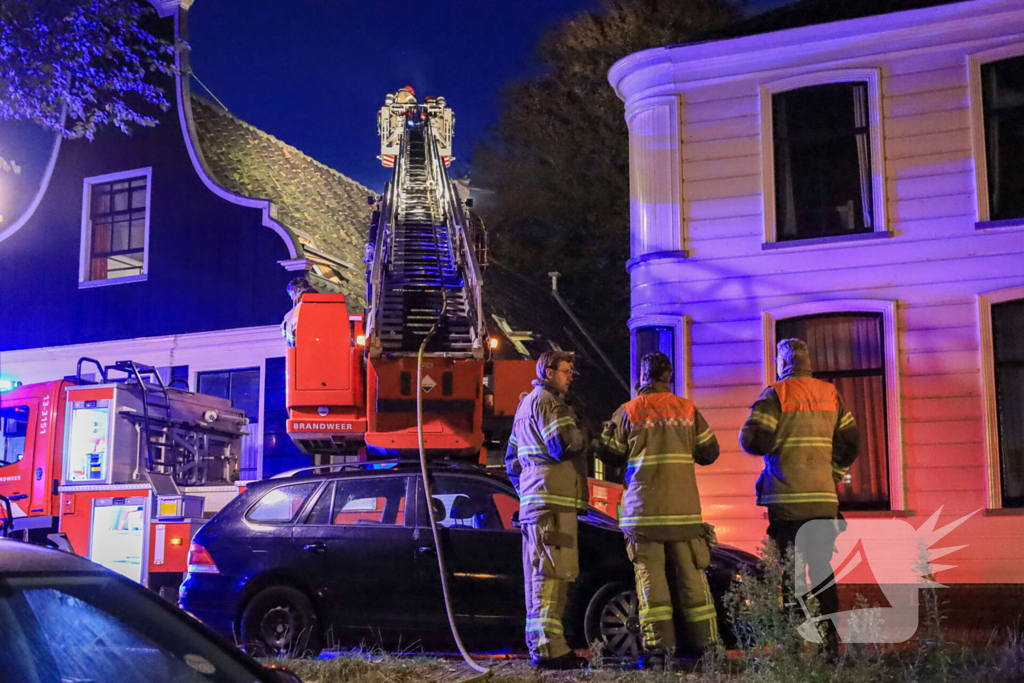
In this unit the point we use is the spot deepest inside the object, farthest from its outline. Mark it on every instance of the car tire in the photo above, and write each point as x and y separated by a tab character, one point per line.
613	620
280	622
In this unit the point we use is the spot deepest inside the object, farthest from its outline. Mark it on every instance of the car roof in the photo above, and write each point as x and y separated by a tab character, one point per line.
378	468
21	558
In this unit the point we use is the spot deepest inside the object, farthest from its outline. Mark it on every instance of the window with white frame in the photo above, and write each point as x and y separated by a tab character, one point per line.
822	154
655	338
115	234
1002	97
1008	364
848	351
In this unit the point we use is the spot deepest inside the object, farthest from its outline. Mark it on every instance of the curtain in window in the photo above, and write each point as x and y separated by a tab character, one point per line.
840	343
786	211
1008	343
860	117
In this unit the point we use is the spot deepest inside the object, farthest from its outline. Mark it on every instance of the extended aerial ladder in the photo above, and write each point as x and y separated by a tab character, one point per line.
423	275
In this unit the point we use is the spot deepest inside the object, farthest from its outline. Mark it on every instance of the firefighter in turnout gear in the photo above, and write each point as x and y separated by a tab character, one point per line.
546	463
660	437
809	440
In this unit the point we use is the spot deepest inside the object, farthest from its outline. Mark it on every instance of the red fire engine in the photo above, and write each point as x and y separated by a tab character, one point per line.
121	470
354	381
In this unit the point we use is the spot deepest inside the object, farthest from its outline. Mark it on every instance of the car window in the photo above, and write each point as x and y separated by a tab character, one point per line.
462	502
281	504
98	629
370	501
321	510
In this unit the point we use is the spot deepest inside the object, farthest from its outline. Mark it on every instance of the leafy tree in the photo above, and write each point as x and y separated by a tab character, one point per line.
558	161
74	66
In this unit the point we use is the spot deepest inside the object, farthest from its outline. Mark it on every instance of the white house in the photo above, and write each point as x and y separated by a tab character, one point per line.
859	184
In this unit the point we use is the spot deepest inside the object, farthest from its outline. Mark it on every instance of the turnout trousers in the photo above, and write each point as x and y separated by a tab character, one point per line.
818	558
550	564
670	582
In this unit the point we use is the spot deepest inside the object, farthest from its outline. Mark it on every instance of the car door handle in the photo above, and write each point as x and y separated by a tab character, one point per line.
315	547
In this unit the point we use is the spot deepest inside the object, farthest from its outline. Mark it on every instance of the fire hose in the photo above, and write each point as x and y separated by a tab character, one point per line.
482	671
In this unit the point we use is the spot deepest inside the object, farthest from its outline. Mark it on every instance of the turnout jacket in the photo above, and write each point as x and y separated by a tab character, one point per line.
545	458
808	439
660	437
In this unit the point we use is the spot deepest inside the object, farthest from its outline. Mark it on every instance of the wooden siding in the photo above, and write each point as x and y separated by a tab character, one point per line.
934	266
212	264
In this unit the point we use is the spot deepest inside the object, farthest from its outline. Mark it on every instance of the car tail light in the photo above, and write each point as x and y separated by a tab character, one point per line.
199	560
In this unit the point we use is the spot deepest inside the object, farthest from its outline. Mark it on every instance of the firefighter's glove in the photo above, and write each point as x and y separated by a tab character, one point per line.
710	537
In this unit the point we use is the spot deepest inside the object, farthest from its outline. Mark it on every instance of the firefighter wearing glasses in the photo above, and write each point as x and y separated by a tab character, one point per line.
660	437
545	461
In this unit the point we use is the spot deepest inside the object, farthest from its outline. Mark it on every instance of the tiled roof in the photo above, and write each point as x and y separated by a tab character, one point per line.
325	210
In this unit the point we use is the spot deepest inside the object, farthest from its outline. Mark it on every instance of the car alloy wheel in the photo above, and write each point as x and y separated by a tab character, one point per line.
613	619
280	621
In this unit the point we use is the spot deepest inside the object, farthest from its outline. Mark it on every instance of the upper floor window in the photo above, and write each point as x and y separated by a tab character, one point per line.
1008	357
1002	96
115	231
848	351
821	136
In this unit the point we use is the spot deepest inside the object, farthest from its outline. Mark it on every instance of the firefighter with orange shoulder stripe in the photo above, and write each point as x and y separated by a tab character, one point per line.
808	438
545	461
661	437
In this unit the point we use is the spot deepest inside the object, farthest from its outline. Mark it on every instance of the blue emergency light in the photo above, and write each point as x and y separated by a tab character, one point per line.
8	384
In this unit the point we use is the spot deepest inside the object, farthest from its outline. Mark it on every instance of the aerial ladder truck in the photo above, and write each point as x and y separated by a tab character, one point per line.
352	385
352	379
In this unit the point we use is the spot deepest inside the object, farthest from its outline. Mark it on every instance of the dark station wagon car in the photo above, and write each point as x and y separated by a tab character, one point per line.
298	563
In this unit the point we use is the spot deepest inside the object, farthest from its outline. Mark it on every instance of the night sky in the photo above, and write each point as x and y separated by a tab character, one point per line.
314	73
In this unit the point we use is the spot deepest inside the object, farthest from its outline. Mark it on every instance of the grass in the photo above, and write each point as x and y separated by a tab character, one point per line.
770	651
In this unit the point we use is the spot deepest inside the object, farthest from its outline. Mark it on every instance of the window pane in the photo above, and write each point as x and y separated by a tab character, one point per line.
100	202
215	384
116	227
245	393
848	351
658	338
138	238
1002	85
138	198
13	431
321	512
66	628
281	504
370	501
1008	348
837	343
101	237
119	241
822	161
466	504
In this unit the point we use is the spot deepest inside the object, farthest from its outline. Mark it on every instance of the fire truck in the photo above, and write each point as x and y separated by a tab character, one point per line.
121	468
352	380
